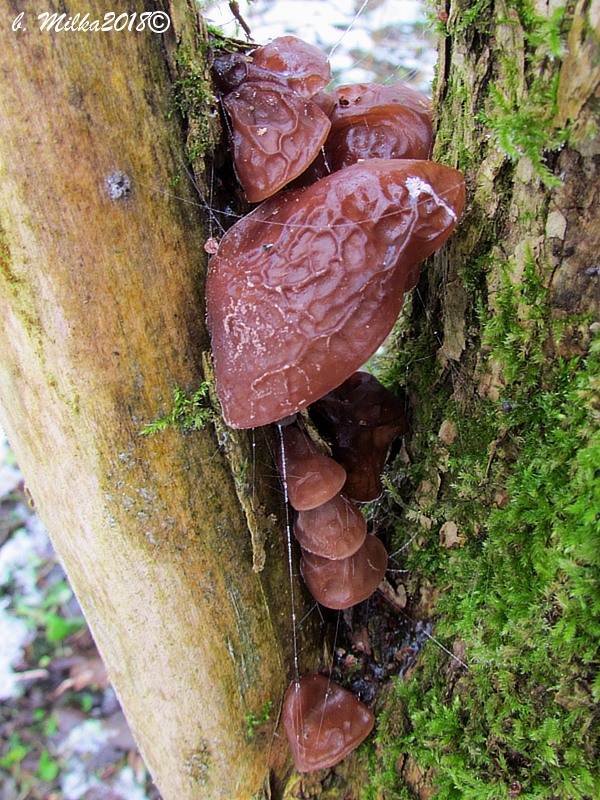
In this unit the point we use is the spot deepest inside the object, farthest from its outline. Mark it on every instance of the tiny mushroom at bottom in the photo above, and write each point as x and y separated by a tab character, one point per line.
323	722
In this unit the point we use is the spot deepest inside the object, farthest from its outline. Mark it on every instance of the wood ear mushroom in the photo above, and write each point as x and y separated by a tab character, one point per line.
360	418
312	477
300	293
275	130
343	583
305	288
323	722
333	530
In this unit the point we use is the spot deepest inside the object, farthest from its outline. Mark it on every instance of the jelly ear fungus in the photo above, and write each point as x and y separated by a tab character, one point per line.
304	289
275	130
323	722
360	418
313	478
300	293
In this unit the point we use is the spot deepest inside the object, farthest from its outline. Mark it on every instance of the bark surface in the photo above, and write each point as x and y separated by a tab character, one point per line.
101	290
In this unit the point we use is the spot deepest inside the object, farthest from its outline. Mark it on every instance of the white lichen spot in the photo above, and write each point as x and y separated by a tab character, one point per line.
117	185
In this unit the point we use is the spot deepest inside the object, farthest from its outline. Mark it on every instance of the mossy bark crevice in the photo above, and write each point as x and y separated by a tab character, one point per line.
499	344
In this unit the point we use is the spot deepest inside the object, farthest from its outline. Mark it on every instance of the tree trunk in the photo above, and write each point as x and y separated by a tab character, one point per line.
101	290
495	496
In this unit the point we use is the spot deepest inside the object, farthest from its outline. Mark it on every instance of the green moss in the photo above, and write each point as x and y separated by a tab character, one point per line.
194	98
255	720
526	129
522	597
189	412
5	259
520	115
472	15
522	483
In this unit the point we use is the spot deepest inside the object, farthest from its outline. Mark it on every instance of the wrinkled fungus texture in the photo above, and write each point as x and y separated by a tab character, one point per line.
312	477
275	130
304	67
373	121
275	135
305	288
323	722
361	418
334	530
348	581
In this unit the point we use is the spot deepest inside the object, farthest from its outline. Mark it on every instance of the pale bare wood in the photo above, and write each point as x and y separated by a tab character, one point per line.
102	310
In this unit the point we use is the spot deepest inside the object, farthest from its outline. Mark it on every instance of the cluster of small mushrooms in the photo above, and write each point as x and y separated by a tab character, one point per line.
301	292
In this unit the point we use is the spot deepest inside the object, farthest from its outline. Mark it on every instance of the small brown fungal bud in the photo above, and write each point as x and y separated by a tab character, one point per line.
312	477
334	530
347	581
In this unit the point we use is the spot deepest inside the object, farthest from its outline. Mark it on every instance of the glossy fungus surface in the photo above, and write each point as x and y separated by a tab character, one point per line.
369	120
334	530
345	582
275	135
323	722
361	418
312	477
305	288
304	67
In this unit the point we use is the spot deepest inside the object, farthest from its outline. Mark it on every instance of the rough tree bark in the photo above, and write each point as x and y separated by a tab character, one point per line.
518	111
101	280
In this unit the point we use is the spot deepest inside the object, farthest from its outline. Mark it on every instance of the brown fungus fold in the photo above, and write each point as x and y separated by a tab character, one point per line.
275	130
369	120
323	722
333	530
304	67
360	418
312	477
275	135
345	582
305	288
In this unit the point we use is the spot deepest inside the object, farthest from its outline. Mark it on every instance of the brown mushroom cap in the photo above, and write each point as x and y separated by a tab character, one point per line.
334	530
275	135
305	68
323	722
305	288
312	477
347	581
361	418
374	121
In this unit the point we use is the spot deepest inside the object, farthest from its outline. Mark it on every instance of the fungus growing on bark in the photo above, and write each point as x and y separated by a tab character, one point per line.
323	722
334	530
305	288
275	130
361	418
369	120
312	477
300	294
275	135
348	581
304	67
